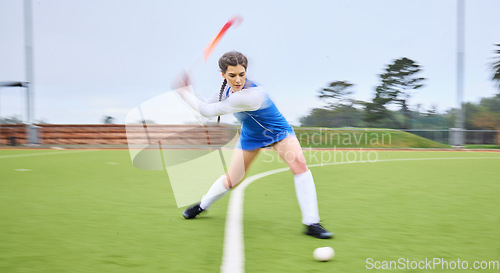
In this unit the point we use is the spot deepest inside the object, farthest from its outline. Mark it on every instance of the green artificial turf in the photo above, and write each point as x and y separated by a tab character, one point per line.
384	211
92	211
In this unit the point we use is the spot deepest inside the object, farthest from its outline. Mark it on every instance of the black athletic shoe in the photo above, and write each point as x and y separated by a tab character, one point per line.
316	230
192	212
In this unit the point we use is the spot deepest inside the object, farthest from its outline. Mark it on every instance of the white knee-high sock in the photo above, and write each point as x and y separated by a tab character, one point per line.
306	195
216	192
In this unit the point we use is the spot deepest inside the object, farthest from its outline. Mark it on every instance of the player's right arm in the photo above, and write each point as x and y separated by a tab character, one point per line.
245	100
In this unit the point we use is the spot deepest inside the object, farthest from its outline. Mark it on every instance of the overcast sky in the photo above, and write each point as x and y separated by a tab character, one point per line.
95	58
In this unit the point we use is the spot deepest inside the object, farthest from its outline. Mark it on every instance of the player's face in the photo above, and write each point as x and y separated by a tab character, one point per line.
236	77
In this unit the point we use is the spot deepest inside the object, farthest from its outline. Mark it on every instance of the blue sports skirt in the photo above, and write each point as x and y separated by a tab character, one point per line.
250	143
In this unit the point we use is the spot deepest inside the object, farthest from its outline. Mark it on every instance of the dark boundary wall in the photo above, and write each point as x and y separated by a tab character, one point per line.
65	134
115	134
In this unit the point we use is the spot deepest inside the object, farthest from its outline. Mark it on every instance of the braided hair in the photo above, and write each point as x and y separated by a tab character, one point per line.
223	86
231	58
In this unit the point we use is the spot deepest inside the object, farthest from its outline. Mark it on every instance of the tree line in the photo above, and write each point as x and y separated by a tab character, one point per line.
398	82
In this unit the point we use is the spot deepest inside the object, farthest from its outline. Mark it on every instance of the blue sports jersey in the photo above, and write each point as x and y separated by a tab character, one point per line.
263	126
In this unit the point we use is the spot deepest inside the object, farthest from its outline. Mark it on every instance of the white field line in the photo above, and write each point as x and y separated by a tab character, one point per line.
47	153
233	256
23	170
233	259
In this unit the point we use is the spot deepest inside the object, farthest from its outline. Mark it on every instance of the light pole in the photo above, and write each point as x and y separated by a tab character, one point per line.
460	118
28	45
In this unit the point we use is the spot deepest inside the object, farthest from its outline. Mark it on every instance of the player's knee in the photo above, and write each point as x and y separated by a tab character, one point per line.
298	167
230	183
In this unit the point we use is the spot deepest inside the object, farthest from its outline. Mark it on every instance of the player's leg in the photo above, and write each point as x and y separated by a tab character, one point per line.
240	162
290	151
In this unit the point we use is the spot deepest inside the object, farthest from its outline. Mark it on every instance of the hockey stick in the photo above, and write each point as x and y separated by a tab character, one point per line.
235	20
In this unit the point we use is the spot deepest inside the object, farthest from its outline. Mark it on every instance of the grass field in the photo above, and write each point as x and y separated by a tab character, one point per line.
482	146
92	211
359	137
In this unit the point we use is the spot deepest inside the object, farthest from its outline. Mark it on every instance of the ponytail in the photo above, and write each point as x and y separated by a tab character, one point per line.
223	86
